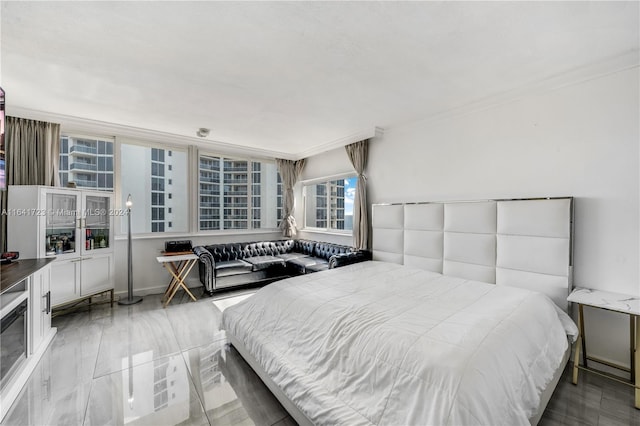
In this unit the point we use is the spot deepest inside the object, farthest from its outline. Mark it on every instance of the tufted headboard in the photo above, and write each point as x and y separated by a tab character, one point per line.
523	243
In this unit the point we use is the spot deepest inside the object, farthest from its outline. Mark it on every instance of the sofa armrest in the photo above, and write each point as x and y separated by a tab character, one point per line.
343	259
206	266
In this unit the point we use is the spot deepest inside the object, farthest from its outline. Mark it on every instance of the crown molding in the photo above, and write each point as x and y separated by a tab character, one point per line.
86	126
608	66
376	132
71	124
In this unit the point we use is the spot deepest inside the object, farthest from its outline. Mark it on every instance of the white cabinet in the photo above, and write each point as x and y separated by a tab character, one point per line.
25	310
96	274
66	277
40	307
75	226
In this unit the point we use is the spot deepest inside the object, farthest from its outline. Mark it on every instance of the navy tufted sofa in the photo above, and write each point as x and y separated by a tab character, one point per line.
222	266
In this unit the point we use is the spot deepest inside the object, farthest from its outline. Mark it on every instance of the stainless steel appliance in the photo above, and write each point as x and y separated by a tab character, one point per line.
13	342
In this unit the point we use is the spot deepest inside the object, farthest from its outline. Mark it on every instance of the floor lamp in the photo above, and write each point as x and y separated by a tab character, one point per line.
130	300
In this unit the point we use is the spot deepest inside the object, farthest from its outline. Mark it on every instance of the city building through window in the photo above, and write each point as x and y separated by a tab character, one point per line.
238	194
87	162
145	172
231	194
329	205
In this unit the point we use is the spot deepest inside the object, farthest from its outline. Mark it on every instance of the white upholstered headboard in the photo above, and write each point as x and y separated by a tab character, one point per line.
523	243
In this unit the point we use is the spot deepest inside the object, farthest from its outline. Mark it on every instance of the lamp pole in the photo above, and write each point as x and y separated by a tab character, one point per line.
130	300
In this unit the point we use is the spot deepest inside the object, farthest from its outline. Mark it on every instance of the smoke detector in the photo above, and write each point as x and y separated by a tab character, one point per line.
203	132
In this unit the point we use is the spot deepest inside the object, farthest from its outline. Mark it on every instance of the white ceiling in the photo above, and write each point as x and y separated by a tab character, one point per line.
293	78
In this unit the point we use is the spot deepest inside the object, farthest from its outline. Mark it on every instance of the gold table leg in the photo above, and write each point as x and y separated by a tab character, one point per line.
635	360
178	273
577	345
634	343
171	268
582	334
176	270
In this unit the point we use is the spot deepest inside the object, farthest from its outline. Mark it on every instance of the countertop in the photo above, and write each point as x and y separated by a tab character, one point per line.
13	273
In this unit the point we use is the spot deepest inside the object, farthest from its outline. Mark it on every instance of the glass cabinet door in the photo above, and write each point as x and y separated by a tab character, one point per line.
61	215
97	232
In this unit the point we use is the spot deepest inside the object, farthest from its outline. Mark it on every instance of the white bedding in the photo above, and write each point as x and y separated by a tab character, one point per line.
381	343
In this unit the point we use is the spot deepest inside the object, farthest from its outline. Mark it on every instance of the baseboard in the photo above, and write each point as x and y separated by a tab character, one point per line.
149	290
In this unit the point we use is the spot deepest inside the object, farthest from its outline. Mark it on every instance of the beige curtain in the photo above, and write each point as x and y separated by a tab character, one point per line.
32	158
357	153
289	173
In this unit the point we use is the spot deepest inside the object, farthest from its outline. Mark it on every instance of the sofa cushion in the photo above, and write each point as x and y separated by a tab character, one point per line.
232	267
264	262
301	264
290	256
321	265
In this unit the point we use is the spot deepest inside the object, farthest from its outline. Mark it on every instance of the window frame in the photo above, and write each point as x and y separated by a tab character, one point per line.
168	232
222	195
314	182
193	153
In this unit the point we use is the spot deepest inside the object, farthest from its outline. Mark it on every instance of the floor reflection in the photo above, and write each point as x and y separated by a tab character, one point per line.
230	391
144	365
146	391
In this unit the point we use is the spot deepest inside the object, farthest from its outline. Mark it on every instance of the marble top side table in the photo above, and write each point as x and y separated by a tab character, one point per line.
616	302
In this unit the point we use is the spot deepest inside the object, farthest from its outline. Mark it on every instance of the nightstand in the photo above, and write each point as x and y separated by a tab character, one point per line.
615	302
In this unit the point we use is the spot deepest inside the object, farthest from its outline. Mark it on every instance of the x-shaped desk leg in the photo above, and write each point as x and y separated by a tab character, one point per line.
178	273
175	269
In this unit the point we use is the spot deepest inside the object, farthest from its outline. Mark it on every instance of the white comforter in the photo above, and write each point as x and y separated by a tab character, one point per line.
380	343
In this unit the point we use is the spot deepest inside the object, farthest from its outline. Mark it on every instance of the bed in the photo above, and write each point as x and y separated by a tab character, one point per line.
459	319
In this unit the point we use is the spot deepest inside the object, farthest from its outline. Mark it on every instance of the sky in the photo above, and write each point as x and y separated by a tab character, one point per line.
349	194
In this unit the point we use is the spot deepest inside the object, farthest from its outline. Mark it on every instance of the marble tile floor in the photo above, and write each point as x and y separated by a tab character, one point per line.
145	365
595	400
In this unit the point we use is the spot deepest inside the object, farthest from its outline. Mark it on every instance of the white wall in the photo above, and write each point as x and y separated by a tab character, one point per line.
580	140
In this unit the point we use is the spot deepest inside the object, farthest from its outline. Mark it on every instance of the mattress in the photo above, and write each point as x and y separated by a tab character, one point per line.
380	343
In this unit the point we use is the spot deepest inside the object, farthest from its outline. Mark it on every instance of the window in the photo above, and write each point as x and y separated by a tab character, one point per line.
86	161
157	213
238	194
329	205
233	194
142	175
157	184
157	199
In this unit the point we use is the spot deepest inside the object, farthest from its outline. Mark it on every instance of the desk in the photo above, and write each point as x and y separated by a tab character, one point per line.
615	302
179	267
